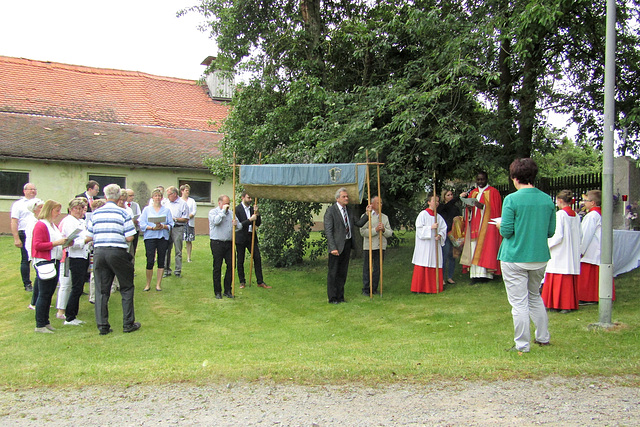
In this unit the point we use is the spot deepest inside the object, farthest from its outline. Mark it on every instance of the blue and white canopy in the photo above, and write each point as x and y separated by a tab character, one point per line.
304	183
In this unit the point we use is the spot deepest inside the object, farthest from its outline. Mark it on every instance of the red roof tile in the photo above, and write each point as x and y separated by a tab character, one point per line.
106	95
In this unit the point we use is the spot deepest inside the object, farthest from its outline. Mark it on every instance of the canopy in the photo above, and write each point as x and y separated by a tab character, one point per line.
304	183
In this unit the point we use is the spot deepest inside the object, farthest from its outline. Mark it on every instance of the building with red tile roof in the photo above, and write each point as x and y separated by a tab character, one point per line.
62	124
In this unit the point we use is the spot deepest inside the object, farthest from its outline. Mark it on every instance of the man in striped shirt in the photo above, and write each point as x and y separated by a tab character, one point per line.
111	228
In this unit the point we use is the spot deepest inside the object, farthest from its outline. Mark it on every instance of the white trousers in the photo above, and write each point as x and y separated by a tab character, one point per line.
523	292
64	288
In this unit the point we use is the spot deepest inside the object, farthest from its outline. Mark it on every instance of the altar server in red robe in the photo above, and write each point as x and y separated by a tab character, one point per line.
431	232
589	281
560	289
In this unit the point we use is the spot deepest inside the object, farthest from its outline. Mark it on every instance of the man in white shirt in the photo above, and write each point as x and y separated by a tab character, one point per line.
19	215
180	212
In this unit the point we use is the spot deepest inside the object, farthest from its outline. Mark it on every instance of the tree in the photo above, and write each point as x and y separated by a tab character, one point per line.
424	85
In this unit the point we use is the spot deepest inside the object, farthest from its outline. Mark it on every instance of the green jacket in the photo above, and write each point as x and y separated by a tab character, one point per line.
528	220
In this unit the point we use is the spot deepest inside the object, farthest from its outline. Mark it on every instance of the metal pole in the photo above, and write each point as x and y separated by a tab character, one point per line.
606	266
233	231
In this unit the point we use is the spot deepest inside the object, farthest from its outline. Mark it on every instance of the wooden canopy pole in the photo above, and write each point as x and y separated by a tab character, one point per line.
435	214
380	219
253	229
370	233
233	231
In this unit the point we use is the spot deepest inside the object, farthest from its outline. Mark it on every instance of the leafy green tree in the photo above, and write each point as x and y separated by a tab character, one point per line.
421	86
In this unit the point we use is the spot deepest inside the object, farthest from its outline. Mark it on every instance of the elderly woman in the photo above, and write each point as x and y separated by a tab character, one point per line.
77	259
156	235
560	289
46	251
34	206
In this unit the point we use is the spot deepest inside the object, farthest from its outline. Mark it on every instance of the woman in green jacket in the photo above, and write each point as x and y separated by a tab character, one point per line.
528	220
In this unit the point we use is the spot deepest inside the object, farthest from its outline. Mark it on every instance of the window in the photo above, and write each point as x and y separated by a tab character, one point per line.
105	180
11	183
200	190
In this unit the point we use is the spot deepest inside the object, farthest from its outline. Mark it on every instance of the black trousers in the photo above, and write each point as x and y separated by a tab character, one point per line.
337	276
221	251
110	262
25	269
241	249
43	303
376	270
152	246
78	268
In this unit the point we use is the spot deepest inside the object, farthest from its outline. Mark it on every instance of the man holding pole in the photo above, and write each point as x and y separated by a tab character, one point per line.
221	222
374	238
247	239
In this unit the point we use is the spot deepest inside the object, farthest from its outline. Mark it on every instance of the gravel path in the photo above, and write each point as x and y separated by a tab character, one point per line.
551	401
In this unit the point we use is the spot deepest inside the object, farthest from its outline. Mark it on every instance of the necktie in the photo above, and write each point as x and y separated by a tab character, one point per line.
346	221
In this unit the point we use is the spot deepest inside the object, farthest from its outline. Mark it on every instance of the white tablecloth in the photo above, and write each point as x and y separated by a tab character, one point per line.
626	251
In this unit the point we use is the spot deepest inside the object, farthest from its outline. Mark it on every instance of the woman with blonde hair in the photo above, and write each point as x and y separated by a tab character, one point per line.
560	289
156	222
46	251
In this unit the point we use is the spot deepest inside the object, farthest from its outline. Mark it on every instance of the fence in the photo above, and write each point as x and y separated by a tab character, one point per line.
578	184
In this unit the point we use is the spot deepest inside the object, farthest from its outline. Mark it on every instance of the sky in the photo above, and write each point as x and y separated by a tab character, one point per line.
133	35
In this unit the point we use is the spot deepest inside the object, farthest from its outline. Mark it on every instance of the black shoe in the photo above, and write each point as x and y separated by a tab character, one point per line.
365	293
228	295
105	331
28	287
132	328
334	302
177	274
218	296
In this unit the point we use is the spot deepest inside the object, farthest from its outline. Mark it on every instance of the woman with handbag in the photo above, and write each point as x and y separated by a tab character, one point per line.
46	251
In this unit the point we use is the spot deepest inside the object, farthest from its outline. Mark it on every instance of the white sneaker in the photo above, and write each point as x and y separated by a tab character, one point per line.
74	322
49	327
44	330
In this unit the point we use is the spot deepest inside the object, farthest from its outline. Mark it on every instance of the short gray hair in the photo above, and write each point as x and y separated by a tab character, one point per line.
112	192
341	190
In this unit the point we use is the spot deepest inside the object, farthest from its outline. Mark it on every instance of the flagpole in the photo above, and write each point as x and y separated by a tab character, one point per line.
379	219
253	229
370	234
435	215
233	231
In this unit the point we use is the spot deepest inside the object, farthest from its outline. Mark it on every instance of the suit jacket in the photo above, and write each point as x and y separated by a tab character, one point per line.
244	235
87	197
335	229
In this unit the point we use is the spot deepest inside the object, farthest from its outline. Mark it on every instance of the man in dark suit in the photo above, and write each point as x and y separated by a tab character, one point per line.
339	227
249	218
93	188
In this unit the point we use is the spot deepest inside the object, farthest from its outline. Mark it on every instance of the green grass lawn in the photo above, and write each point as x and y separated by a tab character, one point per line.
290	332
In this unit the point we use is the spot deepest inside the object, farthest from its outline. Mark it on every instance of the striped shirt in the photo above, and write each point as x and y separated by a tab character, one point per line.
109	226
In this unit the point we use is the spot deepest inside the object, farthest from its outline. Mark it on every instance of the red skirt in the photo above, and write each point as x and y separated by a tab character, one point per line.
560	291
424	280
589	281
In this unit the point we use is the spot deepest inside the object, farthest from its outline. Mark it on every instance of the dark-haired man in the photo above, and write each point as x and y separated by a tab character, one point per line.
482	261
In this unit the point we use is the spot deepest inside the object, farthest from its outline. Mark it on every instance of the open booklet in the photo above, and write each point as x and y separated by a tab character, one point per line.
469	201
157	219
71	237
496	221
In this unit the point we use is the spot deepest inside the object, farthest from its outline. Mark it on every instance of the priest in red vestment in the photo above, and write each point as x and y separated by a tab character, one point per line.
482	238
